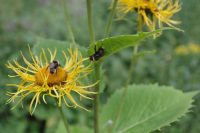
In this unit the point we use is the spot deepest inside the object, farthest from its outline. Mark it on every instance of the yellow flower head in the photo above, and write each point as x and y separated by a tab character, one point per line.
188	49
152	12
46	77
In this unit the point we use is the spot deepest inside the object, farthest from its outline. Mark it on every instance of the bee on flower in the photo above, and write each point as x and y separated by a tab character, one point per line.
43	76
153	13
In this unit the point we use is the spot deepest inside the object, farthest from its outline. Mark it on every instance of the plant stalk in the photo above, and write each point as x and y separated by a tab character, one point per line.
64	118
96	98
135	51
96	67
130	71
90	22
110	19
67	21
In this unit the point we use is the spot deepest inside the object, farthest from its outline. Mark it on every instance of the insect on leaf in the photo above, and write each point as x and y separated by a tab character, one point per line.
114	44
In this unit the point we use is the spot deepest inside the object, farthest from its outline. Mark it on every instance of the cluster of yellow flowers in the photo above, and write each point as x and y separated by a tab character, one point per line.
152	12
188	49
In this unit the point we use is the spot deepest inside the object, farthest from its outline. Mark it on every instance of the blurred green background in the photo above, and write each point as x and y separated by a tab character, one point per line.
21	21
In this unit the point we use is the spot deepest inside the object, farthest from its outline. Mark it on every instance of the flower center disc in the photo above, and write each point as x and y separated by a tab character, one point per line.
43	76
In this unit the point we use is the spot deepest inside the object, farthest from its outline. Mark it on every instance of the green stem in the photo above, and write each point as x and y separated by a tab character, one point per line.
110	19
90	21
64	119
131	68
67	21
123	96
107	32
96	67
130	71
135	51
96	98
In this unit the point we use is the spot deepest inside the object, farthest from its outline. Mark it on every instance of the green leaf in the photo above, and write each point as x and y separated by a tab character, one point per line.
73	129
51	44
114	44
146	108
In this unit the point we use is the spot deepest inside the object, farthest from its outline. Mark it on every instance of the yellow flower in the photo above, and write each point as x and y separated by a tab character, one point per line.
152	12
181	50
188	49
46	77
194	48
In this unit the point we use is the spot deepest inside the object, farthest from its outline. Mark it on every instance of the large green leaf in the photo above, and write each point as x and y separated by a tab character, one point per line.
145	108
114	44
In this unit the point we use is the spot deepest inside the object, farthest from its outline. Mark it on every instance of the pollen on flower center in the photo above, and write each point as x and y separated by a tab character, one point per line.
43	76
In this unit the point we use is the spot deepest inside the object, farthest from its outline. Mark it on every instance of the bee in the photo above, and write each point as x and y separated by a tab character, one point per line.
53	66
98	54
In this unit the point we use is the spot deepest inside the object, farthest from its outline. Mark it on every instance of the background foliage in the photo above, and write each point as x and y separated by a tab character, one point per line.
22	21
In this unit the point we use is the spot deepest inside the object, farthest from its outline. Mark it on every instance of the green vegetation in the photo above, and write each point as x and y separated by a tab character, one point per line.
41	24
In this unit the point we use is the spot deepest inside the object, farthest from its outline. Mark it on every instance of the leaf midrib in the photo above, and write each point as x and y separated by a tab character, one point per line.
148	118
